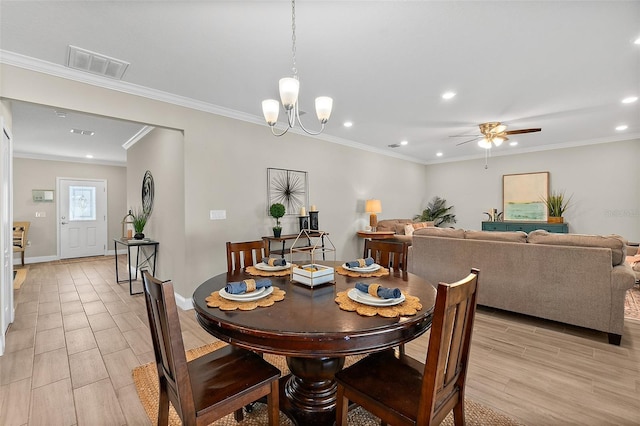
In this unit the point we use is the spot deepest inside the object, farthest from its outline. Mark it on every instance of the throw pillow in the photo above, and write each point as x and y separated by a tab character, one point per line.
408	229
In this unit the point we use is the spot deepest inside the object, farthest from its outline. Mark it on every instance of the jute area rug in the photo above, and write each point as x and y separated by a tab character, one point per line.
146	381
632	303
19	275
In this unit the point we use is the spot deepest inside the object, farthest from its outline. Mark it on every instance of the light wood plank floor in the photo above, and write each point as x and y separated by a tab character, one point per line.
78	335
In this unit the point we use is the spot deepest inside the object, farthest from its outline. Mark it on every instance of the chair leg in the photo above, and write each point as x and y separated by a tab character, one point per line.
273	404
22	257
163	407
342	407
458	414
238	415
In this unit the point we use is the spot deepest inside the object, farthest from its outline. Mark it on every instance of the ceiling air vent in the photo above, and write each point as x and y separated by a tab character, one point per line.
95	63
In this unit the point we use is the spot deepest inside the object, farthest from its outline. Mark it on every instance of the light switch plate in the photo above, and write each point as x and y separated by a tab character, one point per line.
217	214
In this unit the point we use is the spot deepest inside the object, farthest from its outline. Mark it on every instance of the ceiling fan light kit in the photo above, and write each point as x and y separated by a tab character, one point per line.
495	133
289	90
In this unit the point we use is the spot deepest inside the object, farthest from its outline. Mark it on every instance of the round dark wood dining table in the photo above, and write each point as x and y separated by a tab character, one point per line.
310	329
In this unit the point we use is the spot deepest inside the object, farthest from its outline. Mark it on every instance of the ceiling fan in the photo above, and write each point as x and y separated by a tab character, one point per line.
494	133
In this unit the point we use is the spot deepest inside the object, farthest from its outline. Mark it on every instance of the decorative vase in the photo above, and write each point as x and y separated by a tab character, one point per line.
138	236
277	232
554	219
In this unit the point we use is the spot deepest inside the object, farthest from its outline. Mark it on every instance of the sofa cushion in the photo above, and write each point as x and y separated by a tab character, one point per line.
409	228
440	232
613	242
513	237
394	225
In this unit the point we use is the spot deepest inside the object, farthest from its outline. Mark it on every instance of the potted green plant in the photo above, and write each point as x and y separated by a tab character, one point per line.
557	203
277	211
139	222
436	212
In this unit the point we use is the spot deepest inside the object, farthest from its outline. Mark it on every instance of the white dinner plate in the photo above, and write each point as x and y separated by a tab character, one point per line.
247	297
264	267
367	299
371	268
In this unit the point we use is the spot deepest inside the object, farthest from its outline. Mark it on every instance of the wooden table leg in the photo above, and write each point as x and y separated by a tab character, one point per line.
308	395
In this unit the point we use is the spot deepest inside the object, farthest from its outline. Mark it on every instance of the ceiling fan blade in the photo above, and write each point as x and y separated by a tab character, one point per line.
470	140
465	136
518	132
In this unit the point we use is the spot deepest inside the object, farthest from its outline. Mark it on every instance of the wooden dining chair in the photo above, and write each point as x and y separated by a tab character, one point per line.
403	391
209	387
388	253
241	255
20	233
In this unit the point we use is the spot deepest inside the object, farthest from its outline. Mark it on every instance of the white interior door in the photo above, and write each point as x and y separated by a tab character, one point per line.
6	235
82	217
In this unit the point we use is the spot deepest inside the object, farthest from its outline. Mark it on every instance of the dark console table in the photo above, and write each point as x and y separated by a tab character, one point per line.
560	228
149	259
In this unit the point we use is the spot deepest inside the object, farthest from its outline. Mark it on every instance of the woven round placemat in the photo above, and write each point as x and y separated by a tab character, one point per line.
252	270
410	306
145	378
217	301
378	273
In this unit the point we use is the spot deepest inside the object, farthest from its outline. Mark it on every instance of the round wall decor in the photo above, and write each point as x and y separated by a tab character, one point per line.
147	193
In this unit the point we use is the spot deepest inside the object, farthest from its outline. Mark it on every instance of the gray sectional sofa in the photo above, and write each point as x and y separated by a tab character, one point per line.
571	278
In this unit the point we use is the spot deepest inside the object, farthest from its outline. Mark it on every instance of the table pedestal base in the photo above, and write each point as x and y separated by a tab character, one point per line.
308	395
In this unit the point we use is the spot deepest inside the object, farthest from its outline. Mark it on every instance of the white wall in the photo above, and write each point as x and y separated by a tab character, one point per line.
225	168
29	174
162	153
601	178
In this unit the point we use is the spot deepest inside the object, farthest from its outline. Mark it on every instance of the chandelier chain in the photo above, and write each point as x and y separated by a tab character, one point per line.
293	37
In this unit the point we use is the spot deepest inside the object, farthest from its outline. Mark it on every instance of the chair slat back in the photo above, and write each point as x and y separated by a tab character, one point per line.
387	253
241	255
168	346
20	231
447	357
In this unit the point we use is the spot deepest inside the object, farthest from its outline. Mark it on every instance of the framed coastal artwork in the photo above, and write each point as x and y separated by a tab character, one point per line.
523	196
288	187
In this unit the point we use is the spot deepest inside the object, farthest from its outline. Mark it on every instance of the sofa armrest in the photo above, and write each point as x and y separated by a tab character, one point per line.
622	277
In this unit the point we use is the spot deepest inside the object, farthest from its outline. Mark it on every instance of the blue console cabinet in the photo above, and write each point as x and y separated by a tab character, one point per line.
560	228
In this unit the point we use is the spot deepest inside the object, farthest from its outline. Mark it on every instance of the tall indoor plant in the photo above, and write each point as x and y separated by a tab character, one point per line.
277	211
436	212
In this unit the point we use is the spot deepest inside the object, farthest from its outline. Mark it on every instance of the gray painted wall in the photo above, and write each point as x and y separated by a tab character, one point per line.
225	164
601	179
31	174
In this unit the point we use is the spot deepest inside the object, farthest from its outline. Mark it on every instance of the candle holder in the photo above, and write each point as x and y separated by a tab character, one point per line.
313	220
304	222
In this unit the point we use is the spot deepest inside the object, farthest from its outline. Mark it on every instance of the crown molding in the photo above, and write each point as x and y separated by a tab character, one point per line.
135	138
56	70
47	157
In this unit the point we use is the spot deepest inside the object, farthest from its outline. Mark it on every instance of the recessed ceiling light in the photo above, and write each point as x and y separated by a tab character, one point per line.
513	143
622	127
404	142
83	132
348	124
439	154
89	156
637	41
629	99
448	95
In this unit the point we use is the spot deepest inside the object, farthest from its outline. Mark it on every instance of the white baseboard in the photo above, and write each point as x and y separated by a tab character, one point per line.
184	303
38	259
